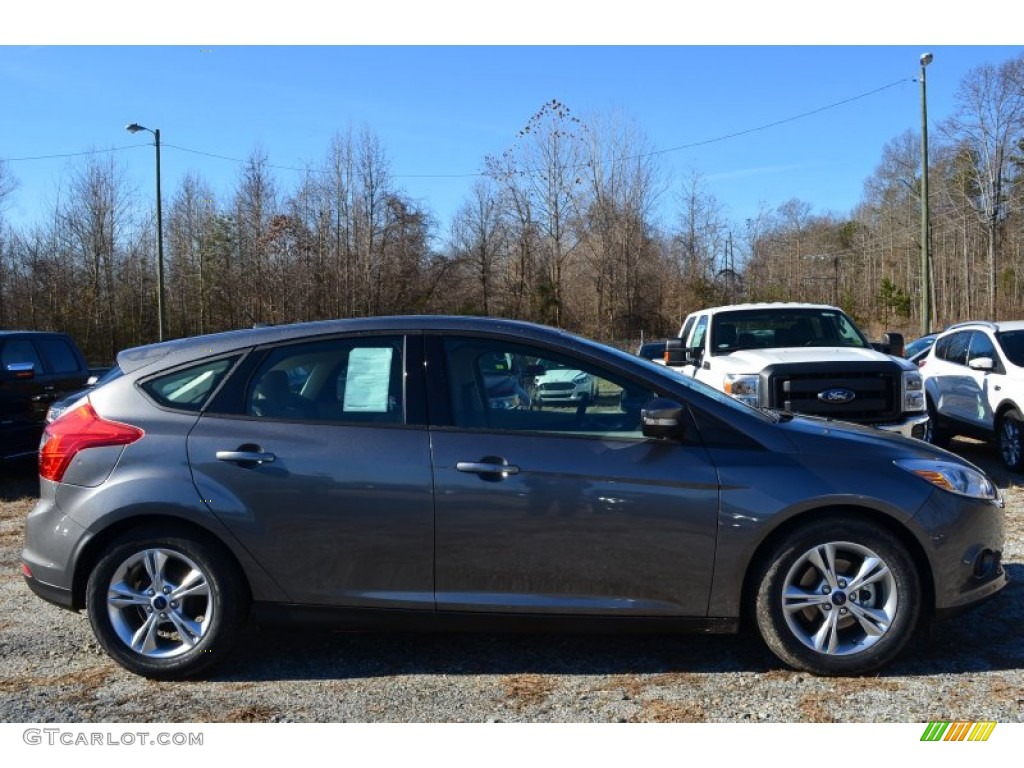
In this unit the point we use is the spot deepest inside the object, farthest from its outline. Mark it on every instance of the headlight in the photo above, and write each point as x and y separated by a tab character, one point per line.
913	391
742	386
952	477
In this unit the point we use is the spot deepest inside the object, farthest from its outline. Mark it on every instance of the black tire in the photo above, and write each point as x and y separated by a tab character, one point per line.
130	598
935	432
835	620
1011	440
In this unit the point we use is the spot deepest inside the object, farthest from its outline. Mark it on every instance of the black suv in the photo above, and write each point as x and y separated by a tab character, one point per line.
36	368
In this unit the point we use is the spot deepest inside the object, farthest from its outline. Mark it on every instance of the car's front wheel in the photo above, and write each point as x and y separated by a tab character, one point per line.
166	605
1011	437
838	597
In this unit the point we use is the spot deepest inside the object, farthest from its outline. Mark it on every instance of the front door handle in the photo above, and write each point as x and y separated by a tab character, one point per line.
489	468
245	457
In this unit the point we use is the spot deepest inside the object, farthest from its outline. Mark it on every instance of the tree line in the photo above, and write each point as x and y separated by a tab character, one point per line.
562	228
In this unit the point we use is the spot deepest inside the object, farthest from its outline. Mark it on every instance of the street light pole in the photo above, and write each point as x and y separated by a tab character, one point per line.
926	288
161	320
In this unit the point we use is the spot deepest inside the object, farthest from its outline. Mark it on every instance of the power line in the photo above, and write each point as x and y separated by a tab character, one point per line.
71	154
766	126
309	169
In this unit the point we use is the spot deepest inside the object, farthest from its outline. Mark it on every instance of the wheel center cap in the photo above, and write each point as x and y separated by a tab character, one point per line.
160	602
838	598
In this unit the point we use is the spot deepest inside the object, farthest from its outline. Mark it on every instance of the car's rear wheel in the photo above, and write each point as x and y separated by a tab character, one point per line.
166	606
1011	437
838	597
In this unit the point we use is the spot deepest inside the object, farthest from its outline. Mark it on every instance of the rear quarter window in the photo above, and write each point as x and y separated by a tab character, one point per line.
61	356
188	388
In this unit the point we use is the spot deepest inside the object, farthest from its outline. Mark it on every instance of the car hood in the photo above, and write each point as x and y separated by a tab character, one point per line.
811	434
756	359
559	375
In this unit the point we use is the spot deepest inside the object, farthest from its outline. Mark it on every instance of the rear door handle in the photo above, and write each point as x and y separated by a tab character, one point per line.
245	457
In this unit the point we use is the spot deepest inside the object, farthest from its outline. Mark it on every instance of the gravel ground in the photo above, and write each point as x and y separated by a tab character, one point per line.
51	669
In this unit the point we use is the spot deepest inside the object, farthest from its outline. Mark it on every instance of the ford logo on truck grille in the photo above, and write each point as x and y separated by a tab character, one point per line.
837	395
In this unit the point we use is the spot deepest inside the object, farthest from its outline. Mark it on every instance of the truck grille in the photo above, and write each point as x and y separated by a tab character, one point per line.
876	389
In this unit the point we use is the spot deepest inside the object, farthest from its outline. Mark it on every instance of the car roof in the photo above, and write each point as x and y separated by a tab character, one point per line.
31	333
170	353
999	326
767	305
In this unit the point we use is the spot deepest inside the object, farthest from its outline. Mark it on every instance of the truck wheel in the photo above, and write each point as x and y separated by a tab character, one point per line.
838	597
1011	437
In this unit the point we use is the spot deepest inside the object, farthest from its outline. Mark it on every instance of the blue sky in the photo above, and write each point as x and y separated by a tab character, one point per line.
438	110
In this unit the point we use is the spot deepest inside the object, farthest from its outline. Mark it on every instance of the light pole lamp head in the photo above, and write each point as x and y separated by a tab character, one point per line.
926	59
135	128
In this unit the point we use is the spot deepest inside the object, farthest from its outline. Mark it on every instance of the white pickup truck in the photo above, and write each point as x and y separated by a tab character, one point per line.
804	358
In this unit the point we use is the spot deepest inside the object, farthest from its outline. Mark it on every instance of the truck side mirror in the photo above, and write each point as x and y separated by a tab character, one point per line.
892	344
675	353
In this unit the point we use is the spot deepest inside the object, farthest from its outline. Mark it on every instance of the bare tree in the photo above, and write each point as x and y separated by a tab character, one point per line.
478	242
189	230
94	221
255	204
988	124
542	175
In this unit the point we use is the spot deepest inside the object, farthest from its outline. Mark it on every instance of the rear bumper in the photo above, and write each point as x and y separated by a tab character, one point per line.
51	593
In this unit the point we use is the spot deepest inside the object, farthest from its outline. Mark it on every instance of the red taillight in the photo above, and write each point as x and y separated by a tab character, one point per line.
75	431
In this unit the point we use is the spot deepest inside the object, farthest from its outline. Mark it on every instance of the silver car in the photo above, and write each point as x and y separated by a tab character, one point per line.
358	472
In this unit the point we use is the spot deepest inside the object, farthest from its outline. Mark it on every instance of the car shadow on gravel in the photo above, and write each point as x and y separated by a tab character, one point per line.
985	639
275	655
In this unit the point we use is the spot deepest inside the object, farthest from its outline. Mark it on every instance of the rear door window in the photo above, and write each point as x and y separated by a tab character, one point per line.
953	348
338	380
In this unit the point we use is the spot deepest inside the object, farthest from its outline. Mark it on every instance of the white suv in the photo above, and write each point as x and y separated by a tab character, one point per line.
974	383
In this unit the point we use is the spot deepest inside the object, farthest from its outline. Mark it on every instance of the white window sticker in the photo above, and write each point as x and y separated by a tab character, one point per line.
367	379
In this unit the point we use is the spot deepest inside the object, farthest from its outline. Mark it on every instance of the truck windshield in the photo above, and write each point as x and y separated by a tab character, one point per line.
769	328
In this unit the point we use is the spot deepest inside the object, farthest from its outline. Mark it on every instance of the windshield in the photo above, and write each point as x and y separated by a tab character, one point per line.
773	327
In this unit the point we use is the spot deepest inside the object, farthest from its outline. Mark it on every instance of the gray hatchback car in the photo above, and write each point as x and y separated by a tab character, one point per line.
358	472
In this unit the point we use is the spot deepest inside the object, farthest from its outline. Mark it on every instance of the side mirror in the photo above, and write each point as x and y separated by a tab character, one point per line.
892	343
982	364
662	418
675	352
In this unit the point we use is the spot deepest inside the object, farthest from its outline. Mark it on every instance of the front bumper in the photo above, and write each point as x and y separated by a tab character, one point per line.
912	426
966	540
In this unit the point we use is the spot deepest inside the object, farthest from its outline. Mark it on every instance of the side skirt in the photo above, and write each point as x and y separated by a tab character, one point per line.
386	619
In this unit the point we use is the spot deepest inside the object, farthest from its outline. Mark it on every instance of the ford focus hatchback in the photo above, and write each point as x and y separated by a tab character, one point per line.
363	472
